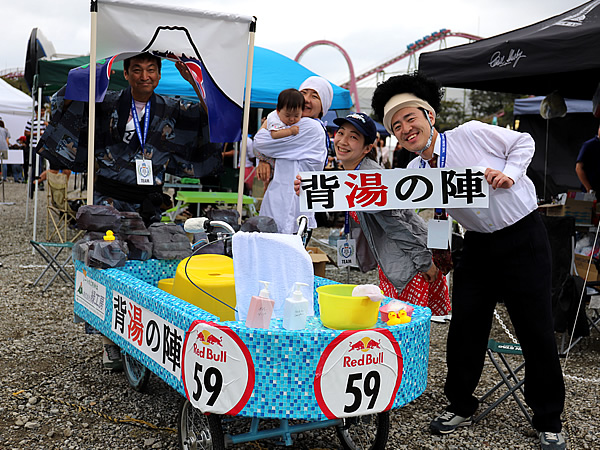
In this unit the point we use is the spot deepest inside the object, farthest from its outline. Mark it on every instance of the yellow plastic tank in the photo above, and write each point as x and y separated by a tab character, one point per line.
213	274
166	284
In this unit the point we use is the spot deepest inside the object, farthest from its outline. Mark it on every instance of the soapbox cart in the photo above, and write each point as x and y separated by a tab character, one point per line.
308	379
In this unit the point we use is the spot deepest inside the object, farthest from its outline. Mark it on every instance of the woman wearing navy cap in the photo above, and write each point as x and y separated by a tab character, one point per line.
397	238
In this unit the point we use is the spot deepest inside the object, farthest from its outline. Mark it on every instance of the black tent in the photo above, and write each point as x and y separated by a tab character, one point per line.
560	53
557	142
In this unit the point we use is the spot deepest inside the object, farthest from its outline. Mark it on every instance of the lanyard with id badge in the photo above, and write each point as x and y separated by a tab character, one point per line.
439	229
143	166
346	247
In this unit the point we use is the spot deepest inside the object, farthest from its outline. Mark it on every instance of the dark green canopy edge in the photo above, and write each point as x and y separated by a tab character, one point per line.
52	75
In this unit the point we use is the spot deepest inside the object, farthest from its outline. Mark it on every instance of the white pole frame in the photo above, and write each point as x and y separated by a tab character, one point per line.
35	162
246	119
92	102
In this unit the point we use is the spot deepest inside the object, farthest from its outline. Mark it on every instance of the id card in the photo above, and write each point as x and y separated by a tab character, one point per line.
144	172
439	233
346	252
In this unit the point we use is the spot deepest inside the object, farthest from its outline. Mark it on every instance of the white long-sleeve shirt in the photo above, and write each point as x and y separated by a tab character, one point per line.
305	152
478	144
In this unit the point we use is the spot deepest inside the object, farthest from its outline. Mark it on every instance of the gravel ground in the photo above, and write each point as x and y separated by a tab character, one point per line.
54	393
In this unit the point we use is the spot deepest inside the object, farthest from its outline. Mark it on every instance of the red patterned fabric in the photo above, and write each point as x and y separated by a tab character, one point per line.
420	292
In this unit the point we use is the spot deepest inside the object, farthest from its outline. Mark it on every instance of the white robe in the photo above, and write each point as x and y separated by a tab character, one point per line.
305	152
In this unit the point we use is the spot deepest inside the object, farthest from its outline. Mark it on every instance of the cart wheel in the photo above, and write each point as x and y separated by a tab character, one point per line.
365	432
136	373
197	430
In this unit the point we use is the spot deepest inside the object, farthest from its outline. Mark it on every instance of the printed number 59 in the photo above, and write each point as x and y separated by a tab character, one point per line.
212	381
371	386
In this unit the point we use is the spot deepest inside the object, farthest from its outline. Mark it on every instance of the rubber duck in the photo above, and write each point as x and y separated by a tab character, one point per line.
397	317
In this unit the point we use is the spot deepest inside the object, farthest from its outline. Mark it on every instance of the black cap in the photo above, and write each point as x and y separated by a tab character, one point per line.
363	123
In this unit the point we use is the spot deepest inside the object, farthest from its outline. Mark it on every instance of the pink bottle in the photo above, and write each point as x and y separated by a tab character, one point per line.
261	309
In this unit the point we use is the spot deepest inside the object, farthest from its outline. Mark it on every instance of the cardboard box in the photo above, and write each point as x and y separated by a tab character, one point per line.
575	206
319	259
581	264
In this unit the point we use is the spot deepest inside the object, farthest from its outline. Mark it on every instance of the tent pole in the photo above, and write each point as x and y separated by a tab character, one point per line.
546	161
35	162
92	103
246	119
29	173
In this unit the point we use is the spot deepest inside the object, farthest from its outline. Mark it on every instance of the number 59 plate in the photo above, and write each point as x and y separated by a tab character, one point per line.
359	373
214	357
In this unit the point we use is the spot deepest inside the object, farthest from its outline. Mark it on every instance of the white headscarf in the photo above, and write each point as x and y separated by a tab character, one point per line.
323	88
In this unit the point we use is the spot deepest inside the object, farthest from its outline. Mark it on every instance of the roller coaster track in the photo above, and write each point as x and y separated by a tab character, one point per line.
411	50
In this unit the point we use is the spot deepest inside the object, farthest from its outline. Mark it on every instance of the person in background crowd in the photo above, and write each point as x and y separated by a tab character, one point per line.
587	166
4	144
32	132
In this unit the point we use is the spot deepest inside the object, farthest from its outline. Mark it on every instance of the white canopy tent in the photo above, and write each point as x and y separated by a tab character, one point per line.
15	109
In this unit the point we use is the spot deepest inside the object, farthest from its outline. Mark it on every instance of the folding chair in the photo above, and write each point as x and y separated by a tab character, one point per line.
52	254
572	321
497	352
59	215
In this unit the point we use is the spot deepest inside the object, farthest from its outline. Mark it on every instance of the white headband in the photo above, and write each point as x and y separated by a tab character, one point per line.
323	88
400	101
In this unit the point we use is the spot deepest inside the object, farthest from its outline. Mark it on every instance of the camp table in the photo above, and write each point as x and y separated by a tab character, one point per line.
186	198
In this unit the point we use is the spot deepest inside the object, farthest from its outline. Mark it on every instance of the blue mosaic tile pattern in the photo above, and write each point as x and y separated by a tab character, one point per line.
285	361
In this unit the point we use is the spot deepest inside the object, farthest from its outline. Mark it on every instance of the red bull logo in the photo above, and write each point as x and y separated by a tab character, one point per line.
208	340
365	345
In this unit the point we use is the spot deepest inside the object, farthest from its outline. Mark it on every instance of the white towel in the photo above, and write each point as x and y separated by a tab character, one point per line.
277	258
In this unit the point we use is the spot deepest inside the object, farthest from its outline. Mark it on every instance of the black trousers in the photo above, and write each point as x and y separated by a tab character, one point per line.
512	265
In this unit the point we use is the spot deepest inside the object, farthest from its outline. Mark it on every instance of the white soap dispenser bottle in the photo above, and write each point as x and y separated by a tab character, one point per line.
295	309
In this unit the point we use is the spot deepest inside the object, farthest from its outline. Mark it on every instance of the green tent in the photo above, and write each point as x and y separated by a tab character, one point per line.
52	75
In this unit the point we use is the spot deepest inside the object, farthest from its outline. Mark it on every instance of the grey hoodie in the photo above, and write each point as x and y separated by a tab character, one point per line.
397	238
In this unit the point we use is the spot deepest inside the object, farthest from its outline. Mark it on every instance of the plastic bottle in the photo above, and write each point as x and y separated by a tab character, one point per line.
295	309
335	235
261	308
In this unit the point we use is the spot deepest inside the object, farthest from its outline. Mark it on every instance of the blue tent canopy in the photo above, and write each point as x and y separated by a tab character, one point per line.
271	73
331	115
531	105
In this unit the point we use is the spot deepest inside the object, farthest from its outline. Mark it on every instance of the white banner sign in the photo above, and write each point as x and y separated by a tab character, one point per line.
11	156
369	190
151	334
90	294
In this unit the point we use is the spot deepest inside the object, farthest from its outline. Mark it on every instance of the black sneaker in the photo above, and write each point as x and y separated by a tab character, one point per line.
111	358
552	441
448	422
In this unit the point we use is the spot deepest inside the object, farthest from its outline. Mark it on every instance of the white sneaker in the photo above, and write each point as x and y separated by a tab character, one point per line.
447	422
438	319
552	441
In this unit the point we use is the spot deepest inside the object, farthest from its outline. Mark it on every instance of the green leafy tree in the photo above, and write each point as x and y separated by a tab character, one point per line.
485	105
18	83
451	115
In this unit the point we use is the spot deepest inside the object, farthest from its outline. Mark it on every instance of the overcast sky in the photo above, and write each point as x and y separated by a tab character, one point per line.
371	32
